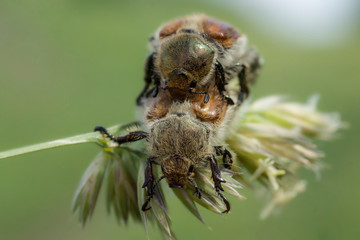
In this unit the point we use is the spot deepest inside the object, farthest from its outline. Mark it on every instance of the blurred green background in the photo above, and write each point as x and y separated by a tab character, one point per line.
66	66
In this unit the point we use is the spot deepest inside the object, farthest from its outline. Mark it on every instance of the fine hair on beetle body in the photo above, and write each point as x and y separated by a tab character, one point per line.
194	53
187	104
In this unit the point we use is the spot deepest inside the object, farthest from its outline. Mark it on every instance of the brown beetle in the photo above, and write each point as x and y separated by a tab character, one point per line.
193	53
186	107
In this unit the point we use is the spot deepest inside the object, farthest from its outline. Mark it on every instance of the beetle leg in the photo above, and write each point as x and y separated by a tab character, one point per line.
206	97
131	137
220	81
244	90
216	176
227	157
150	194
149	183
248	73
149	76
193	86
227	204
197	190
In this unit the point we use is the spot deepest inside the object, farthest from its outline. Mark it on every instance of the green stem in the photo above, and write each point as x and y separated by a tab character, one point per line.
83	138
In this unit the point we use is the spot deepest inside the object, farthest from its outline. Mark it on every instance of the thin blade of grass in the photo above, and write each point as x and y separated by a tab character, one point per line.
92	137
188	202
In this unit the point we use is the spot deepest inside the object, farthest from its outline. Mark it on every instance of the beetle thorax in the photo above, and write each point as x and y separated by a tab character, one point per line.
185	58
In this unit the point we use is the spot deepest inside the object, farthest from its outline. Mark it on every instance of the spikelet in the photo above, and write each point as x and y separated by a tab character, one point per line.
271	139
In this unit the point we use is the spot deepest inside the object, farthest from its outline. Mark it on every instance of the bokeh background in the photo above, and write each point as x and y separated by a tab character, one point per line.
66	66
